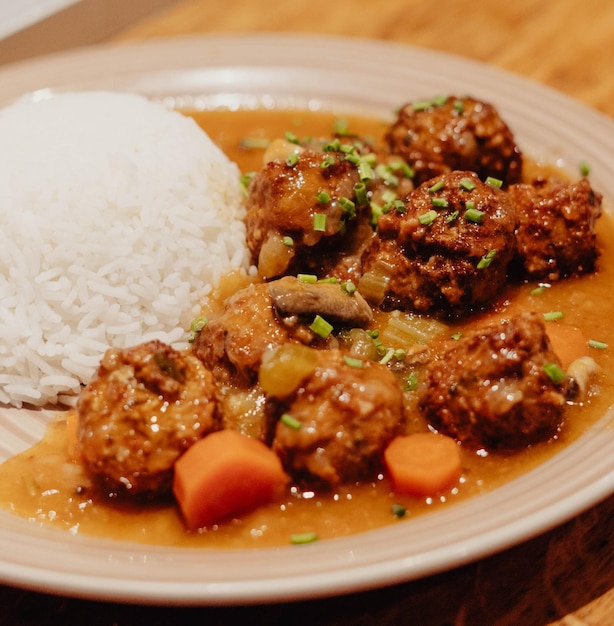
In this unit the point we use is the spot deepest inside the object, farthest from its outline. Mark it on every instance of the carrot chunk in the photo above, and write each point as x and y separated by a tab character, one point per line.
225	474
423	464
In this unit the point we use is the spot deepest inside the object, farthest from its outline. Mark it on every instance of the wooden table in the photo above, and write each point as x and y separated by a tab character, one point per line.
565	576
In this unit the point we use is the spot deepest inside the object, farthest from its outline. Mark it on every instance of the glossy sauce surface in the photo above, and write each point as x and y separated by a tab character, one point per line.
47	485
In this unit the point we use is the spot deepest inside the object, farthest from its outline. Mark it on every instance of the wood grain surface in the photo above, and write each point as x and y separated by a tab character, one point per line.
563	577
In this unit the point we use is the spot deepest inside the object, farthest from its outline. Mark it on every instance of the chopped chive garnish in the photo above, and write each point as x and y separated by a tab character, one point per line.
302	538
291	422
332	280
341	127
466	184
374	334
347	206
451	217
386	174
487	259
458	105
438	186
327	162
292	159
348	287
398	510
323	197
494	182
254	143
245	180
426	219
552	316
475	216
600	345
321	327
319	222
196	325
398	206
421	105
439	203
403	167
365	171
440	100
291	137
288	241
353	362
411	382
585	168
538	290
332	146
389	195
554	372
360	192
457	336
307	278
399	354
387	356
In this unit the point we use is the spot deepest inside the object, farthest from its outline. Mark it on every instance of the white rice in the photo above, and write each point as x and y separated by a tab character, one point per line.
117	218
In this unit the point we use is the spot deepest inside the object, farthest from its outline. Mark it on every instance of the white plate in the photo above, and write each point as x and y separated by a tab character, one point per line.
354	75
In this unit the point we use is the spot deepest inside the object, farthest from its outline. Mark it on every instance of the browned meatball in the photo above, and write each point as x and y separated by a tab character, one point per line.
265	315
449	133
300	213
338	421
145	407
493	388
445	250
556	228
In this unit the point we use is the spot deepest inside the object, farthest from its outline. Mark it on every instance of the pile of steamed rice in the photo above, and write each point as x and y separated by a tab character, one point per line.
117	219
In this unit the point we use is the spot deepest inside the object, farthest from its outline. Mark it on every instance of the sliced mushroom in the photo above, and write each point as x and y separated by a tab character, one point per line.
292	296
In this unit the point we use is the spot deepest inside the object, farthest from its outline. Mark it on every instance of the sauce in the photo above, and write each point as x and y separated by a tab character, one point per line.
47	485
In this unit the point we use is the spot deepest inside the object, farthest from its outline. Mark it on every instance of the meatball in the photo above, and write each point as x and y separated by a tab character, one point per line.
301	212
146	406
338	421
449	133
556	228
500	388
445	250
265	315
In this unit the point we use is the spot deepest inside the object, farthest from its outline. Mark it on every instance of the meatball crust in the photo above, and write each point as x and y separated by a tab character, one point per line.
556	228
347	416
490	389
455	134
146	406
297	212
447	251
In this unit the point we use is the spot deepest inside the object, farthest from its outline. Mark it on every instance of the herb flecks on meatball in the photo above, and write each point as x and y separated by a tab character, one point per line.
449	133
500	388
145	407
556	228
445	250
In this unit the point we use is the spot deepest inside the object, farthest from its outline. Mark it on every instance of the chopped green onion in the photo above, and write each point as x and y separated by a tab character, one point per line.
600	345
321	327
353	362
411	382
466	184
365	171
459	106
398	510
386	174
288	241
554	372
360	192
374	334
323	197
451	217
399	354
487	259
438	186
552	316
291	137
426	219
327	162
439	203
440	100
319	222
387	356
348	287
245	180
457	336
307	278
475	216
347	206
196	325
585	168
329	279
403	167
494	182
341	127
302	538
291	422
254	143
292	159
332	146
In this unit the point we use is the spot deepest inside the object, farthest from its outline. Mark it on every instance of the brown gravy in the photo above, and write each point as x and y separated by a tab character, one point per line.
45	485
